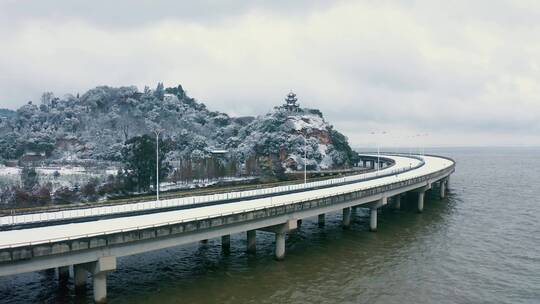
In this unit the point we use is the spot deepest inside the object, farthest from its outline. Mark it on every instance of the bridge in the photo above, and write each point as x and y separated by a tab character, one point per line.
90	239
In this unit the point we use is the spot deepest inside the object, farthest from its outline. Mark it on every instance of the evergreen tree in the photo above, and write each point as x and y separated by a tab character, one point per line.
159	93
29	178
139	158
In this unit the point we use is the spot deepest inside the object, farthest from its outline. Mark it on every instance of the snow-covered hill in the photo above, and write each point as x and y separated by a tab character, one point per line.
292	135
94	126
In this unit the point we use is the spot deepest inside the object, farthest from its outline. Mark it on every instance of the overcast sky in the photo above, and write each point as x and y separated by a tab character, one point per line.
458	73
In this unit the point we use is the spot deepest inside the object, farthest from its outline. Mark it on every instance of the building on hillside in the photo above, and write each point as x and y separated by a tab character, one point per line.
32	158
290	103
219	153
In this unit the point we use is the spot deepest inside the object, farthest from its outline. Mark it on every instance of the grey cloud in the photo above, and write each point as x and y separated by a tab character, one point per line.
128	13
461	68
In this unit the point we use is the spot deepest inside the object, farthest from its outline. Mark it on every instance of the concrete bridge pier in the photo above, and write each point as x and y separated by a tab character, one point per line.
280	246
421	195
442	188
373	213
346	218
281	231
99	270
373	219
226	243
100	287
251	241
322	219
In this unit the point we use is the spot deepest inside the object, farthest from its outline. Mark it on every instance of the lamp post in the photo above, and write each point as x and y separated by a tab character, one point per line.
378	147
157	132
305	161
378	156
424	144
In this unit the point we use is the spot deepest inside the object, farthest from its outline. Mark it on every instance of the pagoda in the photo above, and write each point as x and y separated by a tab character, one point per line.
290	102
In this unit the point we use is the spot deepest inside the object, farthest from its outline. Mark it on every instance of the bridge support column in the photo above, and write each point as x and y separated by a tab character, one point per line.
280	246
421	195
322	219
373	212
79	277
251	241
397	204
346	218
281	231
299	223
100	287
373	219
442	188
226	243
63	274
99	270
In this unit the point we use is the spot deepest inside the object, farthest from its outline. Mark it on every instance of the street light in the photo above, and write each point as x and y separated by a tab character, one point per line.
378	147
424	143
305	161
157	132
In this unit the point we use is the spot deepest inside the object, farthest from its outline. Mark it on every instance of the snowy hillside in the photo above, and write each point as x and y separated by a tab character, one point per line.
290	135
95	125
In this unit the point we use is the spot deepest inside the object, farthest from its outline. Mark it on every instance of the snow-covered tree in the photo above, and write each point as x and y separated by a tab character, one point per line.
98	124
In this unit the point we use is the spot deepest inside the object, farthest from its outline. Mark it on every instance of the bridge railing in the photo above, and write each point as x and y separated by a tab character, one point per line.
32	218
351	194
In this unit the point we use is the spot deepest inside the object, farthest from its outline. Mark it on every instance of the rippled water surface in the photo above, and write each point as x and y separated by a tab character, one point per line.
479	245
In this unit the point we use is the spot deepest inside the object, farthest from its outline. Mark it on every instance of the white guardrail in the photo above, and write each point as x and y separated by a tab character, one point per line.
45	216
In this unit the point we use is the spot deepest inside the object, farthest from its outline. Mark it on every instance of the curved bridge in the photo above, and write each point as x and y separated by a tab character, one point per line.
81	214
91	239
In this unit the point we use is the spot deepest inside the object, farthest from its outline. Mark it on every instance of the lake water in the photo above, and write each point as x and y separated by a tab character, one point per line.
479	245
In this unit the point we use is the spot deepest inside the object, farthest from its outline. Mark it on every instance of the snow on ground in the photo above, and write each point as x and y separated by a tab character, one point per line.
68	176
7	171
10	176
307	122
166	186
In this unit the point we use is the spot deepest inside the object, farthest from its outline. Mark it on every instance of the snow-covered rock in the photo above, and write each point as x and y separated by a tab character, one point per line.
290	135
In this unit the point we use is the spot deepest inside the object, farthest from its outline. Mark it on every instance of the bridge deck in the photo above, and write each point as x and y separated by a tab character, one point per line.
41	218
15	238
